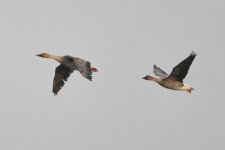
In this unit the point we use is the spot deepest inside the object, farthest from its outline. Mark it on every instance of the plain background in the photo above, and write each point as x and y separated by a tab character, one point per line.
117	110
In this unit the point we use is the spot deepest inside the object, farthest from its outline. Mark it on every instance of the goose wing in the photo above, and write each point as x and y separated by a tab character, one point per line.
62	73
180	71
84	67
159	72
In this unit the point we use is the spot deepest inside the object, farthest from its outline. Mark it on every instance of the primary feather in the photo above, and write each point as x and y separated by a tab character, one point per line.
180	71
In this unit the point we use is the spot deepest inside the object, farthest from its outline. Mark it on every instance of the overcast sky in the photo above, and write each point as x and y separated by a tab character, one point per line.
117	110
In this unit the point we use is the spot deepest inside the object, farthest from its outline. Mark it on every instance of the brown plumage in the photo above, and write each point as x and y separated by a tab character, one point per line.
67	65
174	81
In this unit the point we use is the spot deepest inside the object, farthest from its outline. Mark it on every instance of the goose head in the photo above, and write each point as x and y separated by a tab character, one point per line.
44	55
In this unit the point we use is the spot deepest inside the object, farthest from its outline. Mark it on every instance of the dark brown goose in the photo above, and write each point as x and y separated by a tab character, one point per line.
174	81
67	65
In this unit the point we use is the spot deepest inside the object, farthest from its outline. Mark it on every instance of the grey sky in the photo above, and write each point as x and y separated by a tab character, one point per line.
118	110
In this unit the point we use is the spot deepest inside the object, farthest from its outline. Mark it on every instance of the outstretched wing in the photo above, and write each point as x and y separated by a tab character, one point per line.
84	67
180	71
159	72
61	75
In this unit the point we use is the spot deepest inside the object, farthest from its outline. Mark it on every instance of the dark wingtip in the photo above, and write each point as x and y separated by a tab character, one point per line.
193	53
89	78
55	93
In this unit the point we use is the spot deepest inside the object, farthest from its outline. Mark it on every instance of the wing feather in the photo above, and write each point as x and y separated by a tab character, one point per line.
180	71
159	72
84	67
62	73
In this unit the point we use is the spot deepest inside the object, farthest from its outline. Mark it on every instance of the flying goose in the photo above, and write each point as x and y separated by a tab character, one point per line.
67	65
174	81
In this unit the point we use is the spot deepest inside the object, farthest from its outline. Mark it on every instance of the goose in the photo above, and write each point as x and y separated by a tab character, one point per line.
174	81
67	65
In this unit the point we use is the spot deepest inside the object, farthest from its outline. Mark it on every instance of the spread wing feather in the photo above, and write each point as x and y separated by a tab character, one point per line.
62	73
159	72
84	67
180	71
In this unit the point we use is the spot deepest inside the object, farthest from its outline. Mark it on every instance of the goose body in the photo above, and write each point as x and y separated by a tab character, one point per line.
67	65
174	81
